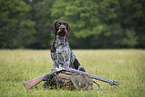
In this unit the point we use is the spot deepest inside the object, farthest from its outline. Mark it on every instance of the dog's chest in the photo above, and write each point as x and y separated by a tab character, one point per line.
64	55
62	46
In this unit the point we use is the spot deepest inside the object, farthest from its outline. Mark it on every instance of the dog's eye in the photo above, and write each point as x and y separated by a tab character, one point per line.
63	23
59	23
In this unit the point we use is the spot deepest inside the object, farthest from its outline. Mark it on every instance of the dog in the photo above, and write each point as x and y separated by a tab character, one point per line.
61	53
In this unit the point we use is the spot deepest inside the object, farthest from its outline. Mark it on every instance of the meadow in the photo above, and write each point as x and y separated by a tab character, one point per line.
127	66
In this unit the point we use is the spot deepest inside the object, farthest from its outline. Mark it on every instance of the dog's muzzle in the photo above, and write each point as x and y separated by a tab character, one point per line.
62	31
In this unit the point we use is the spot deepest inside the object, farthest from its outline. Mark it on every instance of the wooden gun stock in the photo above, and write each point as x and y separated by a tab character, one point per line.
29	84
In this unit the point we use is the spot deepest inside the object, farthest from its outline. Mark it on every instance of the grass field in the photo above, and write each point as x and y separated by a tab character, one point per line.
125	66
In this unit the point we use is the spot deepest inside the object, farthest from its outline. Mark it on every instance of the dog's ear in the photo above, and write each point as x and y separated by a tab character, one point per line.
53	27
68	29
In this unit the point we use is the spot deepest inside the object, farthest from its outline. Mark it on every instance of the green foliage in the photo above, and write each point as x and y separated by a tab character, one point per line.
86	18
100	19
41	14
15	27
130	40
28	27
93	23
132	18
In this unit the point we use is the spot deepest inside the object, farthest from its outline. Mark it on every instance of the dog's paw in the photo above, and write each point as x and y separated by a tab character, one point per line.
81	69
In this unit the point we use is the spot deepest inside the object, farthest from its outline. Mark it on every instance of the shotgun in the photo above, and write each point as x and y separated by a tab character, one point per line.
35	81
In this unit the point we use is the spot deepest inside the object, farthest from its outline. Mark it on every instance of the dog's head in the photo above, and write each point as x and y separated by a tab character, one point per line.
60	28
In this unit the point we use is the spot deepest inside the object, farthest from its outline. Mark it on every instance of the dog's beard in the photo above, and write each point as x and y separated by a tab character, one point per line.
62	33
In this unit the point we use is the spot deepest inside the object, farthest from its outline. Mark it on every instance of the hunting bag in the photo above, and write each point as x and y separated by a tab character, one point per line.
68	80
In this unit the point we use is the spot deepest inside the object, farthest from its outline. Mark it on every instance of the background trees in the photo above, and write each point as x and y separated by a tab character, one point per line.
16	30
94	23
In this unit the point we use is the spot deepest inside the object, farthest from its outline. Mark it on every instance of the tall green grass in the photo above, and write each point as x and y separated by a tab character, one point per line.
125	66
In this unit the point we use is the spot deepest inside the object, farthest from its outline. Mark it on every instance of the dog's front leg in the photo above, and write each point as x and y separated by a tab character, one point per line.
78	66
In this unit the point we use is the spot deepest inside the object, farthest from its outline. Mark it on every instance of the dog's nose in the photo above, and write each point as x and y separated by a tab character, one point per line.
62	27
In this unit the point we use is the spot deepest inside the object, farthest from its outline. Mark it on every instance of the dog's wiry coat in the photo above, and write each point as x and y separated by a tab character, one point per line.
61	53
63	56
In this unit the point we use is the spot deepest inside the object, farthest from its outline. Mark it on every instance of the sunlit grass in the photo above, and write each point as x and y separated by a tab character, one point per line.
125	66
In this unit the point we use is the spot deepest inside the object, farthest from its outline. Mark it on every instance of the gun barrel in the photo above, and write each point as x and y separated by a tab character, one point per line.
94	76
103	79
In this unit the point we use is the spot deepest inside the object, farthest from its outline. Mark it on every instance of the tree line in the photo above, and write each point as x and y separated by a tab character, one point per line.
94	23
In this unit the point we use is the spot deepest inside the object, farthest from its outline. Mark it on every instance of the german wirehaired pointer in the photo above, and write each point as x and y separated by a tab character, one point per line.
61	53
